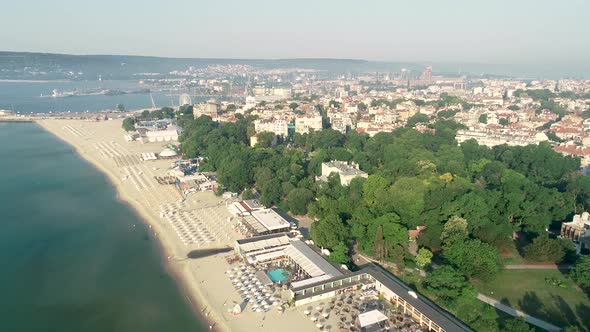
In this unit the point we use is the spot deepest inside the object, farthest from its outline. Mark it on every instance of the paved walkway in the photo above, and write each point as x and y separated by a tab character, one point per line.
513	312
495	303
537	267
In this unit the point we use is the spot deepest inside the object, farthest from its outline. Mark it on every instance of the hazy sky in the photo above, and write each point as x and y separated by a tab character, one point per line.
487	31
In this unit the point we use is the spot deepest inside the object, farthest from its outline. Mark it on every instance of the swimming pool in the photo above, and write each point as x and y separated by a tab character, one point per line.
278	275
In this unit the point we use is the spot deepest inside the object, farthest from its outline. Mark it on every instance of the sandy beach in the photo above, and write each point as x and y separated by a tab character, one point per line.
204	280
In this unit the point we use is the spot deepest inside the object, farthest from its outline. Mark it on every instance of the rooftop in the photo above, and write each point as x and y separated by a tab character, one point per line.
263	241
314	264
371	317
438	315
344	168
270	219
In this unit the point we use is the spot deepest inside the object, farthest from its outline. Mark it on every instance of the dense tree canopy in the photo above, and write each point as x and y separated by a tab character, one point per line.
474	201
415	179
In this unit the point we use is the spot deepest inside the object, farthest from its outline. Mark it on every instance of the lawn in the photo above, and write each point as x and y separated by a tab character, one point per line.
528	291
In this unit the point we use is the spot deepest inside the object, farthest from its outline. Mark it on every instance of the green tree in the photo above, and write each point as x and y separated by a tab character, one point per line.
417	118
474	258
334	104
503	122
145	114
293	106
517	325
129	124
446	284
375	189
297	199
580	273
455	229
265	139
483	118
339	254
407	198
423	258
544	249
167	112
362	106
329	232
271	193
120	108
379	247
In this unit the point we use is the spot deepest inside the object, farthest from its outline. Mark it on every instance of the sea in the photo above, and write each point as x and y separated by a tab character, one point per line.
27	97
73	257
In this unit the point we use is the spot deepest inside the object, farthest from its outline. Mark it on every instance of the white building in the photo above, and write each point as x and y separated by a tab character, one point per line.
347	172
167	135
306	123
275	126
490	137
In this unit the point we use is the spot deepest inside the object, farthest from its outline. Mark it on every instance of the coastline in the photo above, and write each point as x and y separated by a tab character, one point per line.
193	295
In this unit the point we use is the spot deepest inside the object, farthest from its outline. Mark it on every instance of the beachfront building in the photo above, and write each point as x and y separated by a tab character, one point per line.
424	312
258	220
312	278
280	250
346	171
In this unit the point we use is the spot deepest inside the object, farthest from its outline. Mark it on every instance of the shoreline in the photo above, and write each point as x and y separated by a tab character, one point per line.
177	270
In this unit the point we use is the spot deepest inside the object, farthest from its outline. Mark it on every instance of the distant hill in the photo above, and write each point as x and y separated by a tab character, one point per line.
24	65
47	66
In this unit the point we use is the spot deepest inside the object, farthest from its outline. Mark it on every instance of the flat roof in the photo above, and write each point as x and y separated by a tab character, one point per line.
254	224
271	220
263	242
310	261
431	310
371	317
425	306
310	281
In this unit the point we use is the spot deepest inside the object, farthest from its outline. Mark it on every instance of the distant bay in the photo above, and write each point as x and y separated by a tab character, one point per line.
72	257
25	96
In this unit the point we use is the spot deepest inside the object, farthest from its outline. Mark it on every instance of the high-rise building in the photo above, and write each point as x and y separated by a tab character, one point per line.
427	74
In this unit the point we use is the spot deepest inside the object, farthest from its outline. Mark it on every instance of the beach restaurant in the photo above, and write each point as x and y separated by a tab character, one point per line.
423	311
258	219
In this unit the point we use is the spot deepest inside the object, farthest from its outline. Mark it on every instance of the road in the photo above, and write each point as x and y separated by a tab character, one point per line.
537	267
513	312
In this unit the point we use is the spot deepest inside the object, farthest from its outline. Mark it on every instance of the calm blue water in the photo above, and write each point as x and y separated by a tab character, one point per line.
24	97
278	275
73	258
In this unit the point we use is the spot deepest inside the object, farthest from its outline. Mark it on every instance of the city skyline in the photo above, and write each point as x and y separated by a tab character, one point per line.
527	32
